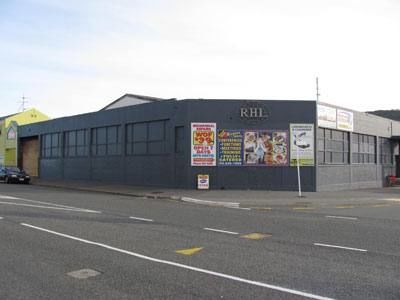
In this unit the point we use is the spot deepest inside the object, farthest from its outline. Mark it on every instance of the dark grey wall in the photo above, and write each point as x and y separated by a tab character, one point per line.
227	115
173	169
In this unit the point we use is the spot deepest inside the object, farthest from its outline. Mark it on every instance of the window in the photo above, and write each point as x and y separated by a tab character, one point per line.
179	139
146	138
386	151
11	134
333	146
51	145
106	141
76	143
363	149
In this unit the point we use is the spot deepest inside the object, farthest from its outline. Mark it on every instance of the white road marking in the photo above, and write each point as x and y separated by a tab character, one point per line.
340	247
243	208
36	201
51	207
141	219
219	230
8	197
211	203
182	266
341	217
1	218
48	203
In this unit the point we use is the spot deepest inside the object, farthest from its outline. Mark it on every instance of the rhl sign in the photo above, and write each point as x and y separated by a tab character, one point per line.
253	112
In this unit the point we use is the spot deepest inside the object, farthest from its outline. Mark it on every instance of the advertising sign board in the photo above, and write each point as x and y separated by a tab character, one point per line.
203	182
230	147
302	144
326	116
203	144
345	120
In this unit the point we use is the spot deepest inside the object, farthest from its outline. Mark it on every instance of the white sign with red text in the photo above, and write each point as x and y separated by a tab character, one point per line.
203	139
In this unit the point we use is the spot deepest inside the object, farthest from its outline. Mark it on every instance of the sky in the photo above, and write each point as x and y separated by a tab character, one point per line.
72	57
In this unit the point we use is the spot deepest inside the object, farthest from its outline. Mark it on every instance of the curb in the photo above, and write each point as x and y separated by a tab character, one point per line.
146	195
210	203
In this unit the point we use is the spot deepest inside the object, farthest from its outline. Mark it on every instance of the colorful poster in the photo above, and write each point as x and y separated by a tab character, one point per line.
326	116
203	139
230	147
344	120
302	144
265	148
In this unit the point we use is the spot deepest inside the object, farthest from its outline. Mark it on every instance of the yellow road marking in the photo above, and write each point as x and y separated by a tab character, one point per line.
303	208
380	205
261	208
189	251
255	236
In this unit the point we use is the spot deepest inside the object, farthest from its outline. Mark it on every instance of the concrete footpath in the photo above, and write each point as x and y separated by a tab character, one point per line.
237	198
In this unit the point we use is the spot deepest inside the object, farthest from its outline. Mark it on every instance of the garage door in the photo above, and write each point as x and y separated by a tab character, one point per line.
30	155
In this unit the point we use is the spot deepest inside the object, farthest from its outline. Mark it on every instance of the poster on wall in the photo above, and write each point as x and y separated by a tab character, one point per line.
326	116
265	148
302	144
230	147
345	120
203	139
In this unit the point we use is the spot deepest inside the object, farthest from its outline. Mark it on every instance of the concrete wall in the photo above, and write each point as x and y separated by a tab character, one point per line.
356	176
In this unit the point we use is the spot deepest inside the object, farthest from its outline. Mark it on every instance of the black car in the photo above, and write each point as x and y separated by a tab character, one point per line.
14	174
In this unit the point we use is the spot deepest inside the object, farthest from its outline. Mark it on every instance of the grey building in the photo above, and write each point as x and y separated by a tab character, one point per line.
240	144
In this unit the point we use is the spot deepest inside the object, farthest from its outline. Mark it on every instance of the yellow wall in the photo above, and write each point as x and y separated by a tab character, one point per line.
8	148
27	117
10	158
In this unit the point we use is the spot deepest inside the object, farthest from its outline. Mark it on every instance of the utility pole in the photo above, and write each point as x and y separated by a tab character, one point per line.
318	94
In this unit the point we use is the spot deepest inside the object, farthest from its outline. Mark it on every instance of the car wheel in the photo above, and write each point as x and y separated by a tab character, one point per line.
7	180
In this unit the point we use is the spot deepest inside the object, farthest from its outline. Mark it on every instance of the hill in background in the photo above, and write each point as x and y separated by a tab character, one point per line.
393	114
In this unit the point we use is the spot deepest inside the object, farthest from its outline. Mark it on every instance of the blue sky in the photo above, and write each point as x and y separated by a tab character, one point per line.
71	57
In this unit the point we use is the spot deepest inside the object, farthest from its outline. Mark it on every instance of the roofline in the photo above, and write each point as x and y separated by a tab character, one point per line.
141	97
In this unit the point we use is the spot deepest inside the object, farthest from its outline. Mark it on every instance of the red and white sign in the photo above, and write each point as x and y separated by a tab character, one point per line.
203	182
203	139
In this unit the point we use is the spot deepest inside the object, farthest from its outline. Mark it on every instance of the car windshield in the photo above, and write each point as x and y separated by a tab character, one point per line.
13	169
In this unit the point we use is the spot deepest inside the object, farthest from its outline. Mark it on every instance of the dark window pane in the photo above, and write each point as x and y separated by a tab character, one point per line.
94	136
129	133
71	138
140	132
156	131
101	150
54	140
101	136
140	148
81	150
71	151
129	149
112	135
80	137
113	149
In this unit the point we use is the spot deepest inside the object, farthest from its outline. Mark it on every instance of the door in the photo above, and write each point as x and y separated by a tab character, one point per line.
30	156
398	166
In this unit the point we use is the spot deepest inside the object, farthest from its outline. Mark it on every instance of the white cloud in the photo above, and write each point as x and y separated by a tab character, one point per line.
218	49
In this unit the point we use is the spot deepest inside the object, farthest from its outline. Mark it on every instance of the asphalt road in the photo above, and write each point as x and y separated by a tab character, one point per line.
129	245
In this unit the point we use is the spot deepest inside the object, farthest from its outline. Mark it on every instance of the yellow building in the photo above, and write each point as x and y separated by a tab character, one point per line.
9	131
